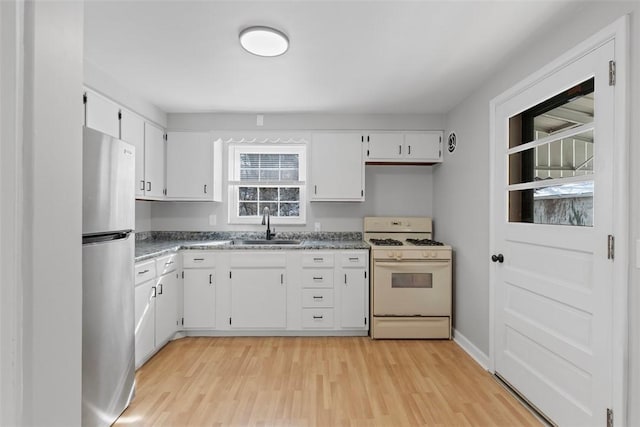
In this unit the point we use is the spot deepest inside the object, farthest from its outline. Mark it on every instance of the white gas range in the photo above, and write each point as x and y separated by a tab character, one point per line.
410	279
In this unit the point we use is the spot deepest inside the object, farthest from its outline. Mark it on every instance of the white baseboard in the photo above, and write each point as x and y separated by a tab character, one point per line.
473	351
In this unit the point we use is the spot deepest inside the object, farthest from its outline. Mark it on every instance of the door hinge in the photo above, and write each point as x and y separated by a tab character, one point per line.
84	98
609	417
612	73
610	246
365	274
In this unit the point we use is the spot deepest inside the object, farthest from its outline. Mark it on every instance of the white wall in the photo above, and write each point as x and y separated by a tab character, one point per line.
461	187
390	190
52	254
143	216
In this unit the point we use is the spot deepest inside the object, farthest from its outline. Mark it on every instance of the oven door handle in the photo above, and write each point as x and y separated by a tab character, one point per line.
411	264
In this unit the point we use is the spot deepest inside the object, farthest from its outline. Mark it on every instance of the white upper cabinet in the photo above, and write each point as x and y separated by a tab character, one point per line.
404	147
154	157
337	167
194	166
423	146
132	131
102	114
387	146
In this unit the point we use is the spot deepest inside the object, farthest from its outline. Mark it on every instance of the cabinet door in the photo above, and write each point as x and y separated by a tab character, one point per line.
423	147
153	161
384	146
132	131
166	309
145	308
353	285
337	167
190	166
101	114
199	298
258	298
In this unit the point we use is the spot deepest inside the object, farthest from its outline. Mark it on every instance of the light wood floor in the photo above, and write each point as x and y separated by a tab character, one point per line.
321	381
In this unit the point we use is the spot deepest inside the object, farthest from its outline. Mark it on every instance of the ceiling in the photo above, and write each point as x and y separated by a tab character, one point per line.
365	57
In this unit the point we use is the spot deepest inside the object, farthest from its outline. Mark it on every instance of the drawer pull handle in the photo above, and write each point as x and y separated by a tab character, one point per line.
317	278
143	272
354	259
198	259
317	297
318	317
168	263
318	259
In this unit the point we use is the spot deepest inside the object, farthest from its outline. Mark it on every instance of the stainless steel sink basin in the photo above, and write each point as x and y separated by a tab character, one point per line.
266	242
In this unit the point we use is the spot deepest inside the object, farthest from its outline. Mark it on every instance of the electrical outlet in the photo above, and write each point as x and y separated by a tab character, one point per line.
317	226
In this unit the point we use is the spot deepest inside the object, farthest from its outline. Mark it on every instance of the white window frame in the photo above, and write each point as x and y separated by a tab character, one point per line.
235	149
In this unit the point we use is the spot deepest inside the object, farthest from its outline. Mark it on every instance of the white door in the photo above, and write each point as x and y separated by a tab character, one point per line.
258	298
353	296
552	195
154	161
145	311
101	114
337	167
199	298
132	131
190	165
424	146
166	307
385	146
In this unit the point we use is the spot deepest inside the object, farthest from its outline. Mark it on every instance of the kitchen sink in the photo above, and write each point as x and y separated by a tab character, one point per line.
266	242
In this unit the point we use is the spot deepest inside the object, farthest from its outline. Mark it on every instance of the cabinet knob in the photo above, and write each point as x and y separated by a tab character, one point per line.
497	258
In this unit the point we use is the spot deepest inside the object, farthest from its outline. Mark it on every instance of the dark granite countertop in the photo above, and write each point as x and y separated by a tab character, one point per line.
153	244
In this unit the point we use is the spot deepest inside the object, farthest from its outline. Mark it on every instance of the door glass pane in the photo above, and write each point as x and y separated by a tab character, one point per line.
567	204
411	280
559	203
562	158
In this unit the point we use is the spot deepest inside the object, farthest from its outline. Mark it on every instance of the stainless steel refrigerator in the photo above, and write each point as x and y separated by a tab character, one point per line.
108	220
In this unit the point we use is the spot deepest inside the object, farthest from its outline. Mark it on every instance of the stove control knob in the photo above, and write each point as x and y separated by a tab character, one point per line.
390	254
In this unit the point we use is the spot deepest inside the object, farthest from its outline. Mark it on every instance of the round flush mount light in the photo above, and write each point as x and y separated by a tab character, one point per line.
264	41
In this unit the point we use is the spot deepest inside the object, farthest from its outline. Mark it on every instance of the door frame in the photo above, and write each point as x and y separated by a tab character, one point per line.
619	32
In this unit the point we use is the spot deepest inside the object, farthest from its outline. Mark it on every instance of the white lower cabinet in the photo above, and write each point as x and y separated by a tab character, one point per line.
258	290
156	296
199	289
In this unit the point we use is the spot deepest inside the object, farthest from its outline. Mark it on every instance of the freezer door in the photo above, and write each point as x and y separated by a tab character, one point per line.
108	184
107	330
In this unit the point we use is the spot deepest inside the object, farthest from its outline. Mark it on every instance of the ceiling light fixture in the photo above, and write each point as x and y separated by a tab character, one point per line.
264	41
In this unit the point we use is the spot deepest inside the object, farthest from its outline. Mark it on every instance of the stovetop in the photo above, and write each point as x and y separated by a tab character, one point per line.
407	242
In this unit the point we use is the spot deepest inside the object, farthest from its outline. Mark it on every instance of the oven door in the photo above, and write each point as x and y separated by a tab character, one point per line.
411	288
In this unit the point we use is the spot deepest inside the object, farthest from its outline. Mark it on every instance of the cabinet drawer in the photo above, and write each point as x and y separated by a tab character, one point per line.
317	259
145	271
317	277
320	318
317	298
359	260
198	259
166	264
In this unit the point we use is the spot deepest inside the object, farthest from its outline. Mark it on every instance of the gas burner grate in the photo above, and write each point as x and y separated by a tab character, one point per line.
424	242
386	242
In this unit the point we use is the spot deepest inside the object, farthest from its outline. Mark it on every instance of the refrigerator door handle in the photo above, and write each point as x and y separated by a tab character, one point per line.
106	237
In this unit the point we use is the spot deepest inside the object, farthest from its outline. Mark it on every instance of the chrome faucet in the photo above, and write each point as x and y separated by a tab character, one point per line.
266	214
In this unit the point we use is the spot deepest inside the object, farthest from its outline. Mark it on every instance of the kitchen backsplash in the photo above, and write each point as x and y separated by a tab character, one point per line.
246	235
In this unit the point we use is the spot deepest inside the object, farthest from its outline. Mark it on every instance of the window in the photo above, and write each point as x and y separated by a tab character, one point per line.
551	160
267	176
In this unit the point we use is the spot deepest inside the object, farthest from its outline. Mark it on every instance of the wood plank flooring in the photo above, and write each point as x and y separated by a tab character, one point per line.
318	381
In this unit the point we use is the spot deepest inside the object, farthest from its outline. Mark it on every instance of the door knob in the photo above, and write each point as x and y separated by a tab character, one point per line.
497	258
